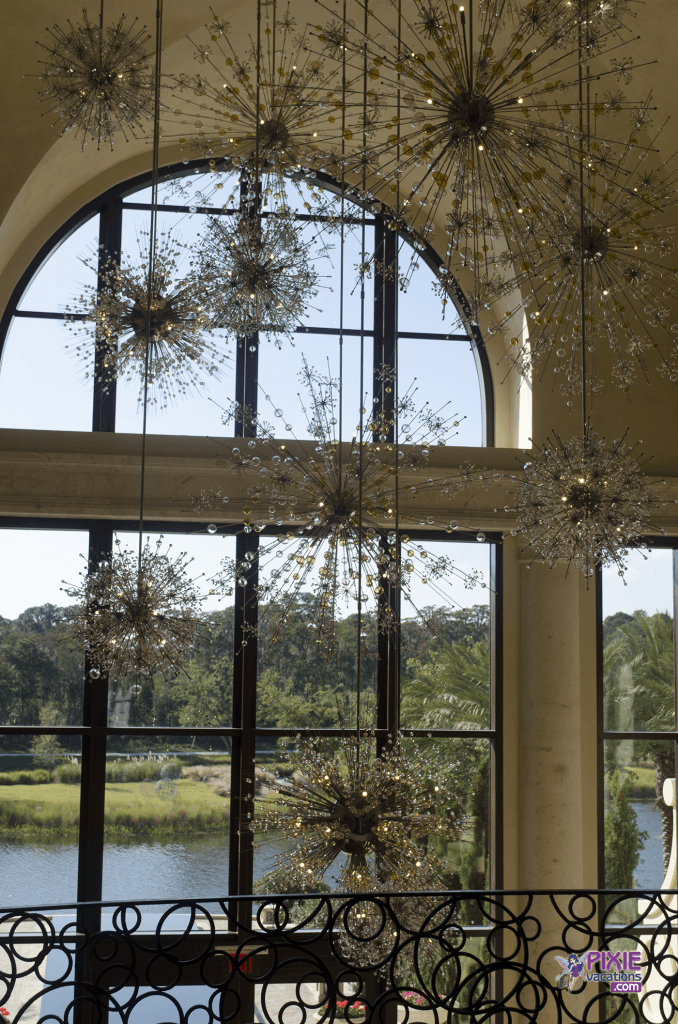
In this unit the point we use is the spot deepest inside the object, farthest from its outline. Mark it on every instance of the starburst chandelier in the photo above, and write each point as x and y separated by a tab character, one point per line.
97	79
469	122
608	266
275	106
346	519
369	932
137	614
173	349
373	812
138	610
258	269
585	501
582	500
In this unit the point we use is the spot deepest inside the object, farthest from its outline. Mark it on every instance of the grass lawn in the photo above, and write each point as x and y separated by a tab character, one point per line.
131	807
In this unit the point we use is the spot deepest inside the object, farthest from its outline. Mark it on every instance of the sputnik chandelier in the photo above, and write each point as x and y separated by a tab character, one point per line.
469	123
139	610
97	79
614	273
259	270
585	502
346	537
173	349
137	614
277	106
373	812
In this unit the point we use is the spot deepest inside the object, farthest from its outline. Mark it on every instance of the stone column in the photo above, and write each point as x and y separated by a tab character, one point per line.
550	737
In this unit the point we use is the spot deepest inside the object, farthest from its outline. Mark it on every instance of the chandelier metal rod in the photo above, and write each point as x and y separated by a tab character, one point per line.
152	240
362	407
101	32
582	223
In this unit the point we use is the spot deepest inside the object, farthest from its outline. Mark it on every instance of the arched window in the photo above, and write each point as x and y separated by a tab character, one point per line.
442	351
241	700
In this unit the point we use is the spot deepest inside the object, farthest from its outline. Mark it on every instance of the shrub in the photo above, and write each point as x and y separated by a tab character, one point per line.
30	777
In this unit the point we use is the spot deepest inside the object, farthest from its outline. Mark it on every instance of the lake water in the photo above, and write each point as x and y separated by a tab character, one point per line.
35	873
38	873
650	871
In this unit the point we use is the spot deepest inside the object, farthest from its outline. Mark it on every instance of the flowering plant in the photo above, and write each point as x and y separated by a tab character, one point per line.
344	1009
5	1015
414	998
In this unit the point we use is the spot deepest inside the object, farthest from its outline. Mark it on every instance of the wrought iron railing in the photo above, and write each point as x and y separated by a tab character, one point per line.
429	957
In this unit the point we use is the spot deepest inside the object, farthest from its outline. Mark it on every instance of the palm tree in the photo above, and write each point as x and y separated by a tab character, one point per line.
642	651
451	690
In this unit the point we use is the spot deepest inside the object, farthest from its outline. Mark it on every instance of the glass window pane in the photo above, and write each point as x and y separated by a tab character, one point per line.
41	669
39	818
193	189
636	855
638	657
462	768
59	396
305	685
445	642
63	274
202	693
167	813
444	375
285	401
419	307
326	309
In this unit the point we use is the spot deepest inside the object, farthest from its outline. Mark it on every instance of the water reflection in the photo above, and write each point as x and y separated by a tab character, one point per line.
45	872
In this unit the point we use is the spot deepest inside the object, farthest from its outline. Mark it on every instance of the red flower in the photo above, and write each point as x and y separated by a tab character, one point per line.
4	1012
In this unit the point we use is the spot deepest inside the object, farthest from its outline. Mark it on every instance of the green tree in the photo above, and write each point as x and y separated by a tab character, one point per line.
623	838
451	690
47	749
28	678
639	670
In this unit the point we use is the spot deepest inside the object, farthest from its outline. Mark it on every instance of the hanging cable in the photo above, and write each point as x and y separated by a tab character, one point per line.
152	243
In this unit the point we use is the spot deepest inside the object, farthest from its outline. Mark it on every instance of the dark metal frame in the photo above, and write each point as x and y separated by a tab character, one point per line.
243	731
502	966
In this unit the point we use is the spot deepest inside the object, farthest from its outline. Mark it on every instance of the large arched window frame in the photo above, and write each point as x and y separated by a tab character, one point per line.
243	731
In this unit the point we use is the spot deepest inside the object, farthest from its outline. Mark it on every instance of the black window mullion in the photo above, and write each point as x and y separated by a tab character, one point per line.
110	249
384	392
496	879
245	657
241	850
93	770
675	659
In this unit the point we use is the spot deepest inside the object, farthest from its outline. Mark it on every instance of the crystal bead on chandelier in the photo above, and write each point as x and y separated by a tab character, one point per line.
178	343
97	79
374	811
346	519
137	614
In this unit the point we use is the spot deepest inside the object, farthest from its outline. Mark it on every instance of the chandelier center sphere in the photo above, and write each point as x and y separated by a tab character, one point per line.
594	243
584	499
163	317
273	134
470	115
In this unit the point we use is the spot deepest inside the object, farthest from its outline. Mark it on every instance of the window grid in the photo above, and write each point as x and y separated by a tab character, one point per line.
243	729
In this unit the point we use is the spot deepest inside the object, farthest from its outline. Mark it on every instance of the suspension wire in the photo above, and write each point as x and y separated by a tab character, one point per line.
101	31
362	407
342	241
152	242
395	685
582	220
